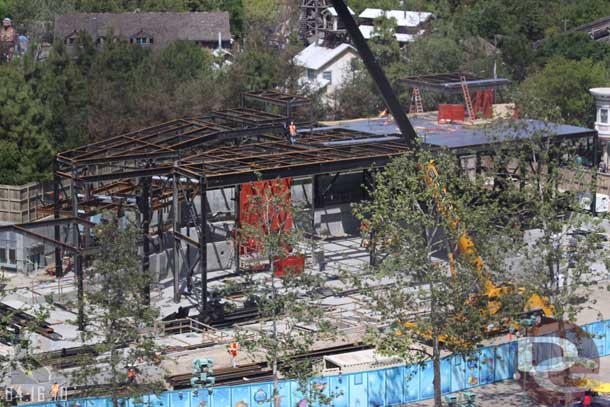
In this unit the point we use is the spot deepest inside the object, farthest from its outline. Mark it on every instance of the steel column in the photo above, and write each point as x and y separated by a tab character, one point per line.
595	164
175	228
237	201
314	192
78	266
203	248
146	217
56	215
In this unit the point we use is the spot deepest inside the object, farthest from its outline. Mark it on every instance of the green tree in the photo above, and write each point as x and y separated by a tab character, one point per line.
185	60
61	86
560	92
23	127
119	325
285	301
433	54
413	225
574	46
357	96
560	257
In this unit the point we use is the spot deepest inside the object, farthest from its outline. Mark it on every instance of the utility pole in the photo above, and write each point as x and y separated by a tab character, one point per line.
565	24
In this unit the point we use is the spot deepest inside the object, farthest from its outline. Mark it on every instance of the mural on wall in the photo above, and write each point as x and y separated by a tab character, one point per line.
376	388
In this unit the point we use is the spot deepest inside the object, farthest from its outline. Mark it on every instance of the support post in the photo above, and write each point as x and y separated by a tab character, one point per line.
314	190
146	216
189	275
175	226
237	202
595	163
57	215
203	249
160	228
77	261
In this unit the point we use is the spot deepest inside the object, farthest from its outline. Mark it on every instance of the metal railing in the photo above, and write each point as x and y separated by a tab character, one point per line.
190	325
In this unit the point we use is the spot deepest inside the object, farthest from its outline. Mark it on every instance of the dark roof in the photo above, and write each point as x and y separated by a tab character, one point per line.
451	82
163	27
458	136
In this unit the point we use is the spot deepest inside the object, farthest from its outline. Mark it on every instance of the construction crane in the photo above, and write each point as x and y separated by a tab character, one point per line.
494	293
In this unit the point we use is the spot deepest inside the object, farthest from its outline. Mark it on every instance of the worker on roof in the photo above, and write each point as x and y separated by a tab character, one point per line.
292	132
385	113
8	38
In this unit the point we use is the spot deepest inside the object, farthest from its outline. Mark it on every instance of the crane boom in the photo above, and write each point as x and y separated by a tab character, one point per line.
379	78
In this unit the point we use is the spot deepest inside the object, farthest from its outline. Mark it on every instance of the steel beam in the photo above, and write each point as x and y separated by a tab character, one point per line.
379	78
227	180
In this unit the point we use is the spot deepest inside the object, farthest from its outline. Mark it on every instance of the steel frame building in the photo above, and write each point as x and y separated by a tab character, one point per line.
172	164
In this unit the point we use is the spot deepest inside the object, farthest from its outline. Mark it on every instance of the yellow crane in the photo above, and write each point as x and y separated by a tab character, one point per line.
466	247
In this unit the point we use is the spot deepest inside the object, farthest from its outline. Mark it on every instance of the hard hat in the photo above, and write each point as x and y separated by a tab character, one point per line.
6	20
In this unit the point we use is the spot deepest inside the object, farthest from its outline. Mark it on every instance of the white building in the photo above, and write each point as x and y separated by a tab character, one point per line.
409	24
326	68
331	21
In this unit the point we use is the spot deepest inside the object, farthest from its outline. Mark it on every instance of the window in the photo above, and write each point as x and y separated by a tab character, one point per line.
358	379
2	255
12	258
603	115
311	74
328	75
142	38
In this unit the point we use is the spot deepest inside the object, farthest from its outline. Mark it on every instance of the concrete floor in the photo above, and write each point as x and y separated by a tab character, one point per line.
347	310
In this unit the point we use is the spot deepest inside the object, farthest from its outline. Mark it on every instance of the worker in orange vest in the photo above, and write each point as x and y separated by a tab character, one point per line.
233	348
54	391
131	375
292	132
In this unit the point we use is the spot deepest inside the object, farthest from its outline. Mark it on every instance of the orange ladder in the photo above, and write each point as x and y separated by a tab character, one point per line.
416	103
467	99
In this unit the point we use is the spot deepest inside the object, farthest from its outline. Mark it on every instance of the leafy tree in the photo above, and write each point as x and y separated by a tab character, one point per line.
119	326
357	96
433	54
285	301
557	260
577	13
560	92
185	60
383	43
62	88
23	127
412	229
573	46
255	69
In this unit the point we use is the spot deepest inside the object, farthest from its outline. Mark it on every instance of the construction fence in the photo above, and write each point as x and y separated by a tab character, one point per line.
373	388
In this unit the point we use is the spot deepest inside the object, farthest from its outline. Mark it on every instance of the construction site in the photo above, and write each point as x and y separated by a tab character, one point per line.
186	183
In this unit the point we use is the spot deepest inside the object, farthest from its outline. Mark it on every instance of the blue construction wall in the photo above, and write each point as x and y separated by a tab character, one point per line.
376	388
